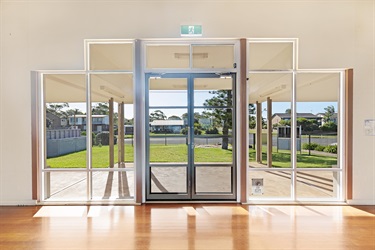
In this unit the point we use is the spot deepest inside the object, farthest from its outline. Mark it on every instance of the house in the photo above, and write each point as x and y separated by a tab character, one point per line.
334	118
167	126
277	117
54	121
99	122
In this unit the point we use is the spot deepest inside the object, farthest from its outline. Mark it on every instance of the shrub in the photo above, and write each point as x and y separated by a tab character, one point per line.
310	146
331	149
320	148
212	131
103	138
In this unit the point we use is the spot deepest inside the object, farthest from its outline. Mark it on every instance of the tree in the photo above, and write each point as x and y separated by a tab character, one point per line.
174	117
307	125
330	111
157	115
56	108
288	111
222	116
102	108
329	127
252	118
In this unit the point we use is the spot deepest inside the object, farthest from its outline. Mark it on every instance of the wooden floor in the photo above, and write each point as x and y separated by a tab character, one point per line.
188	226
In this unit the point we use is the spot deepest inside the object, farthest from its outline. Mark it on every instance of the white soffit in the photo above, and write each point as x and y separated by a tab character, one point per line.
72	88
311	87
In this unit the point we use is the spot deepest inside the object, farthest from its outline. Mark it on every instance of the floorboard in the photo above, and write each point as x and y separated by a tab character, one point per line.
188	226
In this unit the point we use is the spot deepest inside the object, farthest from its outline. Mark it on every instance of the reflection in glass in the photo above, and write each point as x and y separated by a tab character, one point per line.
317	184
168	179
213	179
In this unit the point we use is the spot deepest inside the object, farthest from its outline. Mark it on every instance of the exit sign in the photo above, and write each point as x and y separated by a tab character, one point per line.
191	30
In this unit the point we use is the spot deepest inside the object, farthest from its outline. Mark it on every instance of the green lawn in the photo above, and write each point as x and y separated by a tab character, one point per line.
282	159
178	153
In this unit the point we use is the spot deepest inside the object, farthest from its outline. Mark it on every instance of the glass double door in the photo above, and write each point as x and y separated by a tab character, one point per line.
190	137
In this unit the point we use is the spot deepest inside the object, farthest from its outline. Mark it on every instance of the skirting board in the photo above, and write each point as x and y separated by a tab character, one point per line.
361	202
18	203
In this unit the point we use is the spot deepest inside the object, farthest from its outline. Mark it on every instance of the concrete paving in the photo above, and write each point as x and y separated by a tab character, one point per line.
72	186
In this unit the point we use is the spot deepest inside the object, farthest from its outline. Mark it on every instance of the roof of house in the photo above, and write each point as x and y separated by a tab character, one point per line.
299	115
167	123
93	116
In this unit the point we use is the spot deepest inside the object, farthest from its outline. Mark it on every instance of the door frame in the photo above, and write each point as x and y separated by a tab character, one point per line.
191	194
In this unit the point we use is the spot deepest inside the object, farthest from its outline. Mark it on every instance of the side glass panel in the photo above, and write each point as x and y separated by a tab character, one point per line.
270	184
213	56
111	56
65	186
167	56
270	120
318	184
112	139
317	119
65	127
112	185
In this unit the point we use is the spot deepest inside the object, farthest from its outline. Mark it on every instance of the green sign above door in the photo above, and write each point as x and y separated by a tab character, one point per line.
191	30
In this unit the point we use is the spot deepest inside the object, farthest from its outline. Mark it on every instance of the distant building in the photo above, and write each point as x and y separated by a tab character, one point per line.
55	122
277	117
99	122
334	118
166	126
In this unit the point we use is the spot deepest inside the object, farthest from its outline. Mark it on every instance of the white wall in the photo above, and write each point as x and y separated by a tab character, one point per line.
49	35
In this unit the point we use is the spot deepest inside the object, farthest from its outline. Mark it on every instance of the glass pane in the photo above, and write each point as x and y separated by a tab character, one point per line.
317	119
270	184
65	124
168	179
168	56
65	186
111	56
112	120
270	107
213	135
112	185
168	92
213	56
318	184
213	179
215	92
270	56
